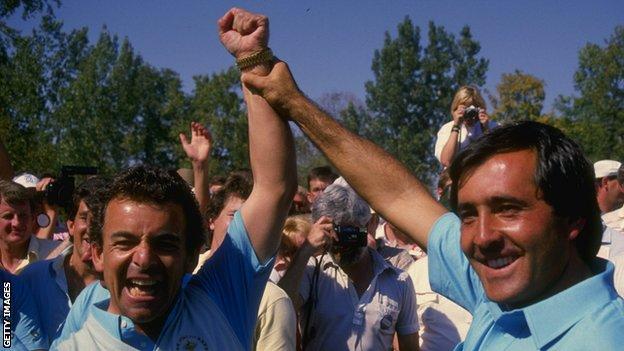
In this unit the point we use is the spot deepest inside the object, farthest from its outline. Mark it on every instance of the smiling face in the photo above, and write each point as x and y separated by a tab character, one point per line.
512	238
78	229
15	222
143	259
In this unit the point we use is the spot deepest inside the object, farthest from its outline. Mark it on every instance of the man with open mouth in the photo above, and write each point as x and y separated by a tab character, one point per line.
148	237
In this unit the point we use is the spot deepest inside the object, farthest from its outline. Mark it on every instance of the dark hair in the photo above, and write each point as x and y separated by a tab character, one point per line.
620	175
238	184
13	193
92	191
217	180
148	184
323	173
563	174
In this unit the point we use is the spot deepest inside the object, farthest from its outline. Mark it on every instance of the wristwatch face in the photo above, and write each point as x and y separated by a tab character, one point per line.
43	220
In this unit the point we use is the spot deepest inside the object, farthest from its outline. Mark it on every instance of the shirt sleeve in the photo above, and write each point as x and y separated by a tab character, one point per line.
276	328
407	321
450	273
234	279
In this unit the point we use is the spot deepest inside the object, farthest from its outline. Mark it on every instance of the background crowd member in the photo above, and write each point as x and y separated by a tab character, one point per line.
442	323
349	298
615	218
318	179
56	283
276	325
300	202
529	223
23	319
18	246
294	234
467	124
609	192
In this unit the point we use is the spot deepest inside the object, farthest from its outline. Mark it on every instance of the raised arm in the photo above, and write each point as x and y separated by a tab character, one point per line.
198	151
271	146
379	178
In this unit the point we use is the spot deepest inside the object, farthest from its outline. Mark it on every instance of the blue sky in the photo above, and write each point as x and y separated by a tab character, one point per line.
329	44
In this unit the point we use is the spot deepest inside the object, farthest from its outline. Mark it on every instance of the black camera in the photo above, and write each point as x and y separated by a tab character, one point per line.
471	114
349	236
60	191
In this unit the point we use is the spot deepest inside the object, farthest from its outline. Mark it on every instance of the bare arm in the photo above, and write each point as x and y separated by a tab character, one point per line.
198	151
320	235
6	169
452	144
383	181
271	145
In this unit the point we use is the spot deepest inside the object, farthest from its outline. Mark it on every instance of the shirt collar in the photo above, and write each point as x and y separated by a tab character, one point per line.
33	249
553	316
120	327
379	263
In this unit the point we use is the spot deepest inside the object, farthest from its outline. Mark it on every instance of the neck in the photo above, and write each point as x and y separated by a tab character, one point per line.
81	269
575	271
12	254
360	272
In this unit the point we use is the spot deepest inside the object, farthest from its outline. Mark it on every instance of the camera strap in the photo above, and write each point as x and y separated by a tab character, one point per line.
311	304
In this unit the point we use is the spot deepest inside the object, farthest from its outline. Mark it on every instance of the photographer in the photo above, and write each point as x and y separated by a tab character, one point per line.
470	121
352	298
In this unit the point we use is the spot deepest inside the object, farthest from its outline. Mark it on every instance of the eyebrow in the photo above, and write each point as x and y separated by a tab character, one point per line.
493	201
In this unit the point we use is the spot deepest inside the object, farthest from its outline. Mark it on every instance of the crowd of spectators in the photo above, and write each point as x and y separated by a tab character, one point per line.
519	247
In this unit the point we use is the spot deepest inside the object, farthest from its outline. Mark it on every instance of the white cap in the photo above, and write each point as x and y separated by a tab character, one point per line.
606	168
26	180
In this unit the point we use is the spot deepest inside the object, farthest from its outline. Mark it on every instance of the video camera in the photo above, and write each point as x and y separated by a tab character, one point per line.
349	236
60	191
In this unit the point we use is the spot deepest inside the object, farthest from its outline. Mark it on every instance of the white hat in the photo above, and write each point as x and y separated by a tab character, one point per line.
26	180
606	168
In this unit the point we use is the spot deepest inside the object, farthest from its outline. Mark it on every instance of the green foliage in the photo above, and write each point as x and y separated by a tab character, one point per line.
520	97
596	116
217	101
411	94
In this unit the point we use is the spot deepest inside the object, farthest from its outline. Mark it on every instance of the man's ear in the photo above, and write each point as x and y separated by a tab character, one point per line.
575	227
97	257
70	227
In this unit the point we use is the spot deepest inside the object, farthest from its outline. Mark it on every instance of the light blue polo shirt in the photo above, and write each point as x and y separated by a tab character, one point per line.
26	332
48	284
586	316
216	310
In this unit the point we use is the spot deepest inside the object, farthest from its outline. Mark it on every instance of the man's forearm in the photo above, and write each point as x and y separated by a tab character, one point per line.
201	180
291	281
272	159
378	177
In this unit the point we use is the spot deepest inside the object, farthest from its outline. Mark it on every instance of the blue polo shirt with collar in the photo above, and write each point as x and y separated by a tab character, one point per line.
215	310
586	316
48	286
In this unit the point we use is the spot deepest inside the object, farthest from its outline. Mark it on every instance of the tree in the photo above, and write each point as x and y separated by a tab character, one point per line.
411	94
520	96
598	110
217	102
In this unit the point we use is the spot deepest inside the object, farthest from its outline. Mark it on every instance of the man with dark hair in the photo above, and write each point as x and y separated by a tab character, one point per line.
318	179
56	283
525	207
151	231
